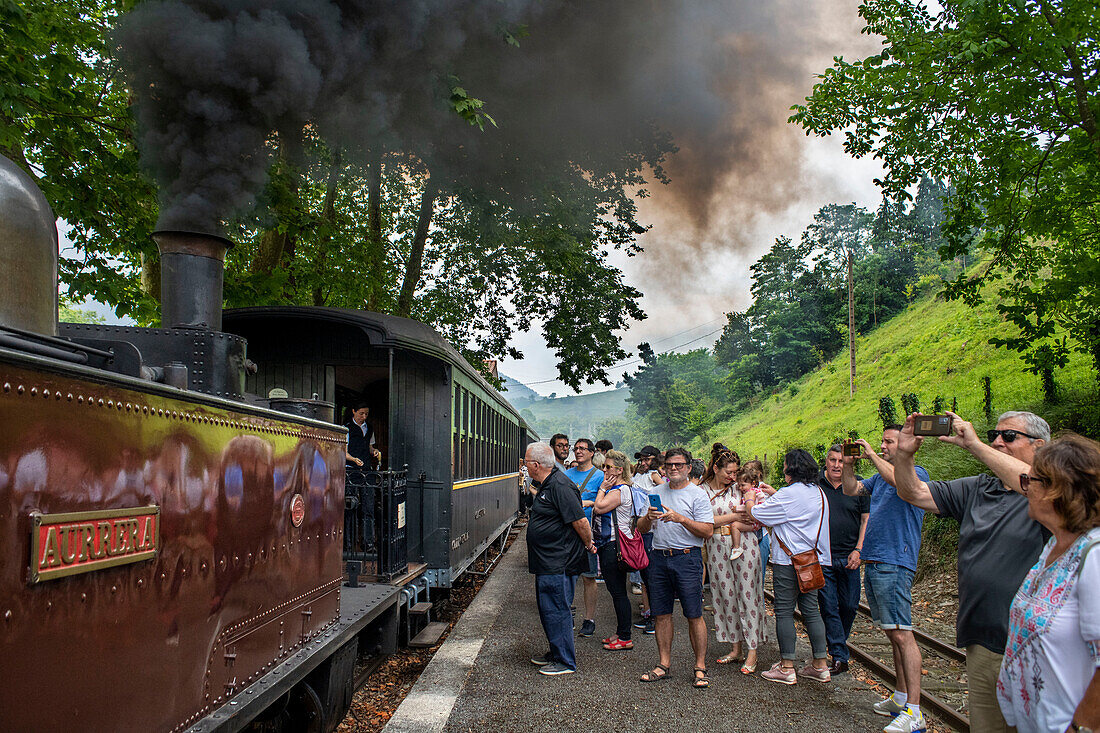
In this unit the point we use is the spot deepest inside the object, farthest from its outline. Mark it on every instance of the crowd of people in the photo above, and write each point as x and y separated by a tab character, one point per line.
1028	616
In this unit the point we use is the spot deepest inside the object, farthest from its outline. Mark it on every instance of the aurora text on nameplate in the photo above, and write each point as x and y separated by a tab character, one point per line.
83	542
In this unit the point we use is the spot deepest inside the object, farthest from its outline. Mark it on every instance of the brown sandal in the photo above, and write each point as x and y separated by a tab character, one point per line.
701	679
652	675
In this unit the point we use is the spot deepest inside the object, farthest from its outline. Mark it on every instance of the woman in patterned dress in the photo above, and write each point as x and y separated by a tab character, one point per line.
1050	676
736	586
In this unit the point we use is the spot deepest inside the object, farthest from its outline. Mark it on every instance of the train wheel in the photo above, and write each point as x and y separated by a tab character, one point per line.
299	711
305	709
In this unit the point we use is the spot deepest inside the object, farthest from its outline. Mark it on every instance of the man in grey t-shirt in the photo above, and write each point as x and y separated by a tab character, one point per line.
684	521
998	541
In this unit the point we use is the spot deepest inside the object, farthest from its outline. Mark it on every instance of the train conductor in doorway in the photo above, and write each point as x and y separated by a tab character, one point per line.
361	454
361	451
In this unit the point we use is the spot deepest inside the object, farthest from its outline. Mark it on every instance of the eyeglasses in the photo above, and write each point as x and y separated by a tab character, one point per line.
1008	436
1025	481
579	447
674	464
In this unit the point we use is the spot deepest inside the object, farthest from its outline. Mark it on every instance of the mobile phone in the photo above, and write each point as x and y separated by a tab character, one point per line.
932	425
852	449
655	501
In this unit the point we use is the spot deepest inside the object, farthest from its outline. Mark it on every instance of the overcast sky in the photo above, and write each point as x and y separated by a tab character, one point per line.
691	273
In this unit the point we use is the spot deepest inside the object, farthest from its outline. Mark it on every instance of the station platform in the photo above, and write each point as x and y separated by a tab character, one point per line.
481	679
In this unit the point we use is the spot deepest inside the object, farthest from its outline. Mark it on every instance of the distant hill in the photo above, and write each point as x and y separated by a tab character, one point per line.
578	416
516	392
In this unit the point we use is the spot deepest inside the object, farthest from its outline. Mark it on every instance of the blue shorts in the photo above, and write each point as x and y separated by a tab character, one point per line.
889	594
676	576
593	566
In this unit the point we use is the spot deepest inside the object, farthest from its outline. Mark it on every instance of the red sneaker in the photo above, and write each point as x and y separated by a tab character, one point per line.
618	644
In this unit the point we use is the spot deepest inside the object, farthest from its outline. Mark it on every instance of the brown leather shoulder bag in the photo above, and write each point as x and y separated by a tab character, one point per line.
807	568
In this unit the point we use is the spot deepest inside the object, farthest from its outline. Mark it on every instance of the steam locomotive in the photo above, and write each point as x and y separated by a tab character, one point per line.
181	547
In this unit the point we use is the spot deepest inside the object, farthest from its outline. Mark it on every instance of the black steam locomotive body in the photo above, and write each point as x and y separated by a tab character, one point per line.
177	526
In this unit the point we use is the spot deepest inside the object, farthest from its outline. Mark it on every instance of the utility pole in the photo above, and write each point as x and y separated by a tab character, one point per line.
851	329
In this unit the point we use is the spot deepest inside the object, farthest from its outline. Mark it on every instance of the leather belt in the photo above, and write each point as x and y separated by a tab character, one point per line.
672	553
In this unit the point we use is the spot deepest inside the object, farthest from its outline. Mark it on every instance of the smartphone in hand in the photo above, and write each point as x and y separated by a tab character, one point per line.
655	502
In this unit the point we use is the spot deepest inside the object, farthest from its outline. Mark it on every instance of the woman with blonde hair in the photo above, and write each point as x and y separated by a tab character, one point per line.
615	507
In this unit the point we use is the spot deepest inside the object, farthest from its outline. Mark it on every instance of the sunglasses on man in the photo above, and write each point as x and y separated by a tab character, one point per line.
1008	436
673	464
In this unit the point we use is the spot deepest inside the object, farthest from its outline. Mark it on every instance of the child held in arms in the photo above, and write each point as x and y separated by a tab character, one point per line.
748	483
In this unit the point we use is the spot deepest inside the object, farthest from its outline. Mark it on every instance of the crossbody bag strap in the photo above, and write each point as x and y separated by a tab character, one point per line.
819	525
588	476
1093	542
776	536
822	520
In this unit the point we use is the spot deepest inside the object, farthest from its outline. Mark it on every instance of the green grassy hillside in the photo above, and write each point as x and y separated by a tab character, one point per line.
935	348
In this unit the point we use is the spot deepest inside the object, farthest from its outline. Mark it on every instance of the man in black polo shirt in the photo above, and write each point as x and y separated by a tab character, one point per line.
839	599
559	539
998	541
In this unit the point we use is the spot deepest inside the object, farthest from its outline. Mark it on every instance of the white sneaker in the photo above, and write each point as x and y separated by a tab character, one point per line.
888	707
907	722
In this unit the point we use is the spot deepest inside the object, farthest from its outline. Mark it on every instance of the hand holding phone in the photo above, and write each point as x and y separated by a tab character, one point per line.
926	425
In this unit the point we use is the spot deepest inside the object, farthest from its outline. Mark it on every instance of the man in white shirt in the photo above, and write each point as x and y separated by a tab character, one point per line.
684	521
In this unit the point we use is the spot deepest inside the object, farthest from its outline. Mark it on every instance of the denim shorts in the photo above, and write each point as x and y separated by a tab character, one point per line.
676	576
593	567
889	594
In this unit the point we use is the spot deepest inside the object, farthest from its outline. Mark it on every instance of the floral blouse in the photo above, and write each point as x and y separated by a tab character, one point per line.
1053	639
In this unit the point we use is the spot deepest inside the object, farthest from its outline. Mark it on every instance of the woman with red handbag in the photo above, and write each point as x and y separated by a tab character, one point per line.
613	515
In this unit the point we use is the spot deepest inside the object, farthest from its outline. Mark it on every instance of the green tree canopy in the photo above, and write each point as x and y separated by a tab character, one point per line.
998	98
372	168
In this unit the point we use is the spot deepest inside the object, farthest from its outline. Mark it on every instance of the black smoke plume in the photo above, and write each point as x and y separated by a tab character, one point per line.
589	82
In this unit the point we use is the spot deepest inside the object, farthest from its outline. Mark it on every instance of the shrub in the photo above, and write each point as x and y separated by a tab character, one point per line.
887	410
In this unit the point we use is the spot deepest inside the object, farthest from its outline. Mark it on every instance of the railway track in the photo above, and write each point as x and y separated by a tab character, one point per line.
941	708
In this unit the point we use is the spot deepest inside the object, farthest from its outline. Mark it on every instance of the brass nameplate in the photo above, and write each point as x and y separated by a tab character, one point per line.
83	542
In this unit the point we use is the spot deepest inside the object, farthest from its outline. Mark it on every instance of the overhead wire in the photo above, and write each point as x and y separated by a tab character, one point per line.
631	362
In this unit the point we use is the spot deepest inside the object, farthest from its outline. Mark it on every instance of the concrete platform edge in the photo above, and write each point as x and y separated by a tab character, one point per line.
429	704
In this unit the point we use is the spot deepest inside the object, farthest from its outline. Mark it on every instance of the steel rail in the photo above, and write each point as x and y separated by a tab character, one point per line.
932	702
366	671
937	645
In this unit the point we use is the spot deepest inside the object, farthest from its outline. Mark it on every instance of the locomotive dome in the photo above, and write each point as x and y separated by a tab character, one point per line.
28	253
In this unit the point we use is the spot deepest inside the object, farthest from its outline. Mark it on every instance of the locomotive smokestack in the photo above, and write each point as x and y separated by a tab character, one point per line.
192	266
